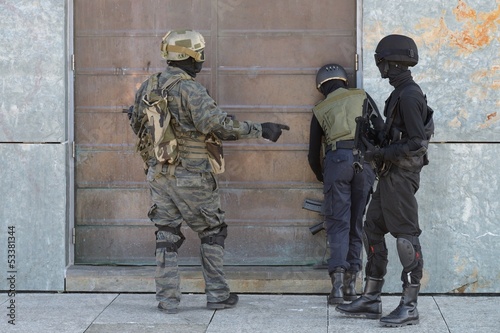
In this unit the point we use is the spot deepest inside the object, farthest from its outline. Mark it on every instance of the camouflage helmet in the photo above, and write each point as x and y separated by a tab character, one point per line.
179	45
330	72
397	48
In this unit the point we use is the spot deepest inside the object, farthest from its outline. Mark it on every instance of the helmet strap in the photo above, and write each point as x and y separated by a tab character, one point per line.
197	56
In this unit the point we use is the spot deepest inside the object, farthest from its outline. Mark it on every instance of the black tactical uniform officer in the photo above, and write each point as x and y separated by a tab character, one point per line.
393	208
346	190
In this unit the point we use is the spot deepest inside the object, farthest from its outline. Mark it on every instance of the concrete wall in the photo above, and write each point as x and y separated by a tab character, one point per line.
459	69
33	143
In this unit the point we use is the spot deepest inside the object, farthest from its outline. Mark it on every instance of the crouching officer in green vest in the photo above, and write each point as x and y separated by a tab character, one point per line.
181	171
347	180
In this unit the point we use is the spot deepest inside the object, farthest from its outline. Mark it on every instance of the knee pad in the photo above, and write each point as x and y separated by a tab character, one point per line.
409	251
217	238
372	243
168	245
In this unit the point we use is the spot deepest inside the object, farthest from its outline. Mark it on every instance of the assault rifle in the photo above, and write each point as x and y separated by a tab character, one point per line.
362	128
314	206
128	111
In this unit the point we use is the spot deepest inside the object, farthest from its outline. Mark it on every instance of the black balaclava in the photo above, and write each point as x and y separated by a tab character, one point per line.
188	65
393	71
331	85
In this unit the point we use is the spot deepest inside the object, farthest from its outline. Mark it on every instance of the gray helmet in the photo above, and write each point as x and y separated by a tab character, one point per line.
330	72
397	48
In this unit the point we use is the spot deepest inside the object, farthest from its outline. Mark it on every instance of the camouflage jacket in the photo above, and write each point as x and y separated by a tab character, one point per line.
195	115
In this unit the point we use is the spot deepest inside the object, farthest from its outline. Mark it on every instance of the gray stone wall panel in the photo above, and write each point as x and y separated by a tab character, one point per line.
33	192
32	63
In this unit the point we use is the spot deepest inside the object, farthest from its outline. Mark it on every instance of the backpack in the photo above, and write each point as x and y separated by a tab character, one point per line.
155	136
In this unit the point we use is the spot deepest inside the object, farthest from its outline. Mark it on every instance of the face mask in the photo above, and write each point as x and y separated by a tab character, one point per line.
390	69
198	66
383	67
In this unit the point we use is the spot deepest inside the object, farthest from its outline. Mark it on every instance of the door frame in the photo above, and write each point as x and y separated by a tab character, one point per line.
70	133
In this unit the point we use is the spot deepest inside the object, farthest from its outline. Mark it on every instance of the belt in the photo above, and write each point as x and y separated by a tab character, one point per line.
344	144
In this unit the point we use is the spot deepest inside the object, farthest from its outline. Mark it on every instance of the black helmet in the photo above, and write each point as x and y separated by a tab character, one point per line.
397	48
330	72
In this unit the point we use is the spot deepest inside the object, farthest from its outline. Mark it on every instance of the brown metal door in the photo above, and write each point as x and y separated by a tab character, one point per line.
262	58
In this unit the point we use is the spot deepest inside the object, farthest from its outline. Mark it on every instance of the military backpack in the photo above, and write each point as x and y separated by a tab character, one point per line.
156	137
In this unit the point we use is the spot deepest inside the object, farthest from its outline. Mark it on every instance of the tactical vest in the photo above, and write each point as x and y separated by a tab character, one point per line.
337	114
160	136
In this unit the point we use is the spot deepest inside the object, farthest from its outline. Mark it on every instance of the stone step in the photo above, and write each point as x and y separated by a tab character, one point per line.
241	279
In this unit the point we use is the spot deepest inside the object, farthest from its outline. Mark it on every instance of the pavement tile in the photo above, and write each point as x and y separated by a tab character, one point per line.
470	314
139	313
273	313
54	313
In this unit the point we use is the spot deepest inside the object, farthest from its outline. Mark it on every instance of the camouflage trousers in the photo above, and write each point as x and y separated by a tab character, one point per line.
193	198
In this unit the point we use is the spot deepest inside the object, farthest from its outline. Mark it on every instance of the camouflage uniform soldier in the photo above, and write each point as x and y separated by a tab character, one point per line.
185	189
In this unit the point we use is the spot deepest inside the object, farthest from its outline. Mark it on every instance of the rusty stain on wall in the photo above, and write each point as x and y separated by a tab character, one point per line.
490	119
457	120
478	29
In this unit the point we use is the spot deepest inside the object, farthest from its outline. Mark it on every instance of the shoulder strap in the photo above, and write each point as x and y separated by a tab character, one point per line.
172	80
151	95
373	106
390	113
154	93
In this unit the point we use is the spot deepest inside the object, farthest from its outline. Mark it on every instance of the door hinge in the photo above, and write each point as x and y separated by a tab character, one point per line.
73	236
73	62
356	62
73	149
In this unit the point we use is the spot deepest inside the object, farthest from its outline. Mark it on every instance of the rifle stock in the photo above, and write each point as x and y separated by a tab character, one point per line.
128	111
362	125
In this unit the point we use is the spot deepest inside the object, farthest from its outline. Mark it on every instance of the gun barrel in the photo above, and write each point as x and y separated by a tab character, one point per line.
316	228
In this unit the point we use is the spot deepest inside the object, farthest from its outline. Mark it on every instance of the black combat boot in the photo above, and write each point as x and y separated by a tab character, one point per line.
406	313
336	295
230	302
350	286
369	305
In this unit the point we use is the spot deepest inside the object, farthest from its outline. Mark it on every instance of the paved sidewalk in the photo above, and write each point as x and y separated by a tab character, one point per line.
134	313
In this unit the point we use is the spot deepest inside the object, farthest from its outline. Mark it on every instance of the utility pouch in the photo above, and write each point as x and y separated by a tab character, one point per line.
215	153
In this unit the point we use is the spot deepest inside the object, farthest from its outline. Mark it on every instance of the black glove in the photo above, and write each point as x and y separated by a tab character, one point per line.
372	153
272	131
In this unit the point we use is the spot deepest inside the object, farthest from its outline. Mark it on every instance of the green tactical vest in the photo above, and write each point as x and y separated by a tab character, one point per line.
337	114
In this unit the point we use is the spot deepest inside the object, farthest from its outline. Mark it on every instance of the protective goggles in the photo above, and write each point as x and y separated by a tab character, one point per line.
378	58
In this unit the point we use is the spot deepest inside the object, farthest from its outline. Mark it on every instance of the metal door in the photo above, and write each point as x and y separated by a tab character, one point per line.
262	57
